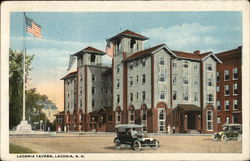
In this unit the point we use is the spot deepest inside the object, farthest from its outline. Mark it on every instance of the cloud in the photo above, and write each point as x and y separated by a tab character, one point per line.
187	37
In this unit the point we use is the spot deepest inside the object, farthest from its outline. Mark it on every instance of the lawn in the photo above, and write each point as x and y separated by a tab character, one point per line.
19	149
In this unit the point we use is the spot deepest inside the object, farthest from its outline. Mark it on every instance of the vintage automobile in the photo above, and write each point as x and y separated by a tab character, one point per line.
229	132
136	141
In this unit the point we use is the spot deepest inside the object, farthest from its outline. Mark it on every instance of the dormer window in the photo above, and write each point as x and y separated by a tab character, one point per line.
131	65
93	58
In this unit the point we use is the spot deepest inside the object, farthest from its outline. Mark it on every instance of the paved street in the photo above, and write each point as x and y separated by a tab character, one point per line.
85	143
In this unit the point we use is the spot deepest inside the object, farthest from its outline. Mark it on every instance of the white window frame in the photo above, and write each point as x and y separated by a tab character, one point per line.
218	120
235	103
131	81
218	89
174	65
162	93
185	81
196	97
144	121
209	121
161	60
210	97
161	77
117	68
226	105
209	66
235	87
209	82
118	98
217	76
227	119
93	78
185	64
195	67
185	96
143	80
130	113
174	79
218	104
174	92
225	88
118	83
161	122
235	71
118	117
225	74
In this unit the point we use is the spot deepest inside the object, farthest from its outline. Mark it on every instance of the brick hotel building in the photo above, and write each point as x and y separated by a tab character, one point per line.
156	87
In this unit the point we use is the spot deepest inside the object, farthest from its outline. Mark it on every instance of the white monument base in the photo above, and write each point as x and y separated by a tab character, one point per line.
24	127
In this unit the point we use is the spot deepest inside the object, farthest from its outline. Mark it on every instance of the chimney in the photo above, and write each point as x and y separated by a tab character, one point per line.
197	52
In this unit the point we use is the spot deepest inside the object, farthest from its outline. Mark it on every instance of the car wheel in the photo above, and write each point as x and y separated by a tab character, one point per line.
137	145
156	144
239	137
215	137
117	144
224	138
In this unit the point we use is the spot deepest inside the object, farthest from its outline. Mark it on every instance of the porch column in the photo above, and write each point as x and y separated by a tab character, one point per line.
185	122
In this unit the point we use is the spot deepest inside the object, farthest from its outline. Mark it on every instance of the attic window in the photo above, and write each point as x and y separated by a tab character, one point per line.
92	58
132	42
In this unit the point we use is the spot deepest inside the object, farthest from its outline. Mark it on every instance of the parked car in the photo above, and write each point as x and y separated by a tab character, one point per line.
131	134
229	132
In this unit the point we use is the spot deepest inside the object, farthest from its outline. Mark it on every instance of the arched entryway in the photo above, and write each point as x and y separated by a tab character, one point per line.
209	119
161	117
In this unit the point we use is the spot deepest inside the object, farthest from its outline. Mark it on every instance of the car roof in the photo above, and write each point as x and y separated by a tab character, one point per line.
231	125
128	126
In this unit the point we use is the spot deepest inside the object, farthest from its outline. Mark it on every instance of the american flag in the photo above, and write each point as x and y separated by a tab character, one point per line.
110	49
32	27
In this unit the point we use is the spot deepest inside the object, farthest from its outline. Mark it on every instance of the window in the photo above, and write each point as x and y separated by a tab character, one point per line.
162	61
93	103
226	75
118	117
118	98
131	65
218	106
235	119
117	68
109	117
80	90
117	83
68	82
196	98
105	90
174	95
137	78
161	78
81	78
210	97
143	78
227	92
131	97
143	95
103	77
209	82
185	80
137	95
235	104
143	62
132	43
185	64
161	120
80	103
209	120
218	89
227	120
174	79
162	95
218	120
144	119
130	81
93	90
195	67
218	76
131	116
174	64
93	57
227	106
93	77
196	81
209	67
235	89
136	63
185	96
235	73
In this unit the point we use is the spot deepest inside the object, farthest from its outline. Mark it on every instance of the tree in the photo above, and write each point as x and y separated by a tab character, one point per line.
16	85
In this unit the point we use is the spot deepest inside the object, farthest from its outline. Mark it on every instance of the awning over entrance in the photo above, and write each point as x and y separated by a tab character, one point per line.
188	107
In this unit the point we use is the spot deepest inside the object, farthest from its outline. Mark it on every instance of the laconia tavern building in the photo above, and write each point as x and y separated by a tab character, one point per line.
156	87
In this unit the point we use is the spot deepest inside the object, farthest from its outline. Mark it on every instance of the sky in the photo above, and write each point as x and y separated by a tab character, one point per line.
65	33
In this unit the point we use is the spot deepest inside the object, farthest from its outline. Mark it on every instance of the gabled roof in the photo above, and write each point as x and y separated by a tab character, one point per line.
147	52
193	56
72	74
225	54
128	33
90	50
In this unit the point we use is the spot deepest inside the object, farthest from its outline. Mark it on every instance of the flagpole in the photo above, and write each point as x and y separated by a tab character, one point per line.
24	55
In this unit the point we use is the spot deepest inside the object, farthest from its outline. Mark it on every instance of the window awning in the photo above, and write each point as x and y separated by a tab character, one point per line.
188	107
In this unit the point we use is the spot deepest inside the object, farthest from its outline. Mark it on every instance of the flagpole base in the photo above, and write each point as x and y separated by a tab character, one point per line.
24	127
